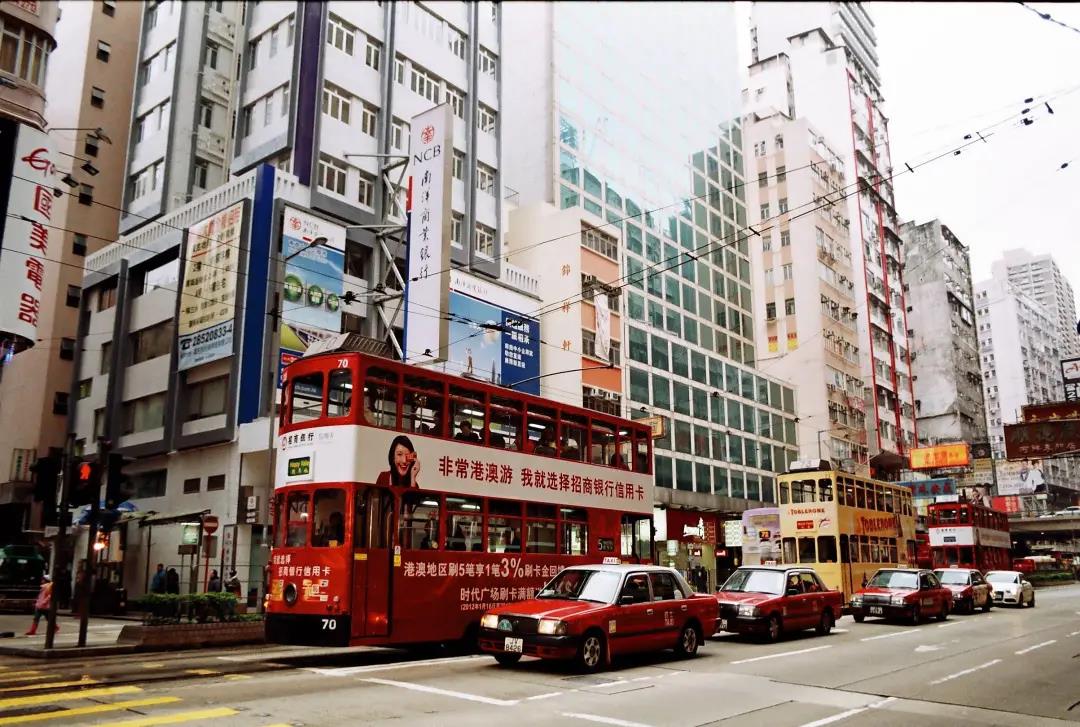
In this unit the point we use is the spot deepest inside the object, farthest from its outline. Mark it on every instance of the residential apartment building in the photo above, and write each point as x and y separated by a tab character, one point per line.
651	168
818	61
805	309
945	342
1040	277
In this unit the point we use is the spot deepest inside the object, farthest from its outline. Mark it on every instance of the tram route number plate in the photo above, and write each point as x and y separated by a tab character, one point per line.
514	645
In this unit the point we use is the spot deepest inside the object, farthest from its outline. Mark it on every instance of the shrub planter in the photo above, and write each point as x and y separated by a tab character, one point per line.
192	635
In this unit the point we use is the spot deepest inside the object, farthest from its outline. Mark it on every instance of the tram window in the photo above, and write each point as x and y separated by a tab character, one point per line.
464	523
965	555
825	490
888	501
297	519
419	524
573	433
951	555
802	491
624	457
329	518
807	552
962	514
849	492
785	493
634	539
306	398
422	407
790	554
874	492
540	536
854	553
339	401
860	496
892	551
381	398
601	443
541	431
826	548
360	519
643	463
864	550
845	549
504	535
505	416
575	531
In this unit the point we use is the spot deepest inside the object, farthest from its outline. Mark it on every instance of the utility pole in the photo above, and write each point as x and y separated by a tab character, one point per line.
60	545
91	541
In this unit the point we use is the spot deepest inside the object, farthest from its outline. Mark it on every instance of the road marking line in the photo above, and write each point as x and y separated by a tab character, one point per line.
841	631
350	670
1036	646
95	709
65	696
775	656
882	703
1074	633
84	682
834	718
237	677
890	635
613	684
680	673
951	623
153	664
549	695
965	672
444	692
202	672
641	679
602	720
27	678
174	718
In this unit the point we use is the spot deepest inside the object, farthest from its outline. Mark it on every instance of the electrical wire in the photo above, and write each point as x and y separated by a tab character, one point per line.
1047	17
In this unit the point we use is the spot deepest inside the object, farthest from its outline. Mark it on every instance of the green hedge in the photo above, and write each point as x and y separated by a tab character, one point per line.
173	608
1045	577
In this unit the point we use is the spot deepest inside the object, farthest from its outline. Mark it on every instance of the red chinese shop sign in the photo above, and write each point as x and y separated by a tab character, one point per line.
1042	439
691	526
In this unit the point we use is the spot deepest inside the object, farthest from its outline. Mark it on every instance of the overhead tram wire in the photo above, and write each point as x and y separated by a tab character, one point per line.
1047	17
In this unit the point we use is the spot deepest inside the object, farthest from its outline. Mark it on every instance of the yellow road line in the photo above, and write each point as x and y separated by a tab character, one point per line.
65	696
95	709
84	682
202	672
13	674
174	718
153	664
27	678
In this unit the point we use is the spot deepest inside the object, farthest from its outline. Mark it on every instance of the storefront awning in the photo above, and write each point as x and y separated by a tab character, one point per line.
152	519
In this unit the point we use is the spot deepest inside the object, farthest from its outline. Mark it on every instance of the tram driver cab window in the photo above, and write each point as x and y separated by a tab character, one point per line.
329	520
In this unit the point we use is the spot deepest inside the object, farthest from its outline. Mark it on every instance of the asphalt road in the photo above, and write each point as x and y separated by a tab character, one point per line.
1008	667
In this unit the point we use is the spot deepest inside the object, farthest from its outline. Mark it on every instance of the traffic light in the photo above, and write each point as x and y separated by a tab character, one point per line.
85	482
46	481
115	484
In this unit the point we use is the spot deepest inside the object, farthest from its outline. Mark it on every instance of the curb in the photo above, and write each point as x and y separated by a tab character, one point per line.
66	652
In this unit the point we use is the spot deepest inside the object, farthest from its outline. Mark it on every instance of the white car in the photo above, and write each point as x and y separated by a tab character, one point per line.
1010	588
1070	511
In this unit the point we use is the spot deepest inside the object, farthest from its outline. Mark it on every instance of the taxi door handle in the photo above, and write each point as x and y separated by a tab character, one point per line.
649	612
682	608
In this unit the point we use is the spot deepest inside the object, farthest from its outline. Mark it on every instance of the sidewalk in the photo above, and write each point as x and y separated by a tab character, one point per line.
101	636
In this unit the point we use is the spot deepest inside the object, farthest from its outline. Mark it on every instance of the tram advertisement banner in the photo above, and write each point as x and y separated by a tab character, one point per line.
349	453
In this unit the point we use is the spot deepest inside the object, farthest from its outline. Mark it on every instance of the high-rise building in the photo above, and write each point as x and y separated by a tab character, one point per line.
804	283
1040	277
945	358
649	146
822	67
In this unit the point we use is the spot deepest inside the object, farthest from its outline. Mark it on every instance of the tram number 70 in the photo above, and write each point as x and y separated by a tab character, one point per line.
329	624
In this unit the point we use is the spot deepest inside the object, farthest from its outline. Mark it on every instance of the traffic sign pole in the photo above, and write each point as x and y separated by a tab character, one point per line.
60	544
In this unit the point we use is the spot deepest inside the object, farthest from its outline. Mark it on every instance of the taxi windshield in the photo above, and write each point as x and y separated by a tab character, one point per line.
953	577
755	581
582	585
895	579
1001	577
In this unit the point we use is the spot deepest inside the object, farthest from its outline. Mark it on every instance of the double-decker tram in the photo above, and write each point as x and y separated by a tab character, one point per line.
845	526
407	501
969	535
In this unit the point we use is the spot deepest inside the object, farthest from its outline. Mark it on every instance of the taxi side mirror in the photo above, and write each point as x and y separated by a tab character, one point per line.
626	600
793	591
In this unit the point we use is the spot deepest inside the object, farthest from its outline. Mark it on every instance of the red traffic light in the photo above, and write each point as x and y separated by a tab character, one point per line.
86	472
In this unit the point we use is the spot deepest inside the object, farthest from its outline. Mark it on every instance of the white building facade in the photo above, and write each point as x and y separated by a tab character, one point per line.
1040	277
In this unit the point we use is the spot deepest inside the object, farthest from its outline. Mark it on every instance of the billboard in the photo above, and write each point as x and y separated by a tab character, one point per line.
1035	439
939	456
1020	478
1070	375
1050	412
760	536
28	171
602	323
427	291
493	344
207	317
932	488
349	453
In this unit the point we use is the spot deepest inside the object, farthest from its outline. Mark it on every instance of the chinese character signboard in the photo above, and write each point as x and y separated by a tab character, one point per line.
942	455
208	296
1042	439
1070	374
26	156
504	351
1050	412
428	287
932	488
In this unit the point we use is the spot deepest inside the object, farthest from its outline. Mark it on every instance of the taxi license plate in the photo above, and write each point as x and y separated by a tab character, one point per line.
723	624
514	645
876	610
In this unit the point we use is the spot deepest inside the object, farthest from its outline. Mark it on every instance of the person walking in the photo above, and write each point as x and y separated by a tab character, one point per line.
172	581
41	605
232	585
157	583
214	586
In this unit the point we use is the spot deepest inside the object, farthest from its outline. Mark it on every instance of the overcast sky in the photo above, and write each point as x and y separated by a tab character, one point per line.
952	69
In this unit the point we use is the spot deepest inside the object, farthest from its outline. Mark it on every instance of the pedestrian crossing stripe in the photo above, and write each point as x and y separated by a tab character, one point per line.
83	711
6	703
174	718
84	682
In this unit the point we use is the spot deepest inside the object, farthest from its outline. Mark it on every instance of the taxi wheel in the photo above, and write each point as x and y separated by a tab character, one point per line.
988	603
859	618
1032	604
590	656
916	615
826	624
774	630
688	641
943	611
507	659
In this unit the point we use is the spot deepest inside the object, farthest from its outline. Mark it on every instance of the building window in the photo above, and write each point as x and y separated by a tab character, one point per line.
785	238
489	62
373	54
274	42
143	414
268	109
486	119
24	52
152	342
97	97
599	242
765	211
78	244
485	178
424	84
779	141
332	174
399	134
770	311
90	147
207	398
253	54
60	402
456	42
86	387
104	50
781	206
336	103
369	117
86	194
67	349
781	173
459	165
206	114
192	485
789	307
340	34
74	293
212	54
456	98
484	244
399	70
787	271
456	221
108	7
215	482
202	173
148	484
366	196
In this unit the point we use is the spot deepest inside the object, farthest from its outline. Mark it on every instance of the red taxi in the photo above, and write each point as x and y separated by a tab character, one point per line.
769	600
970	590
902	593
590	614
